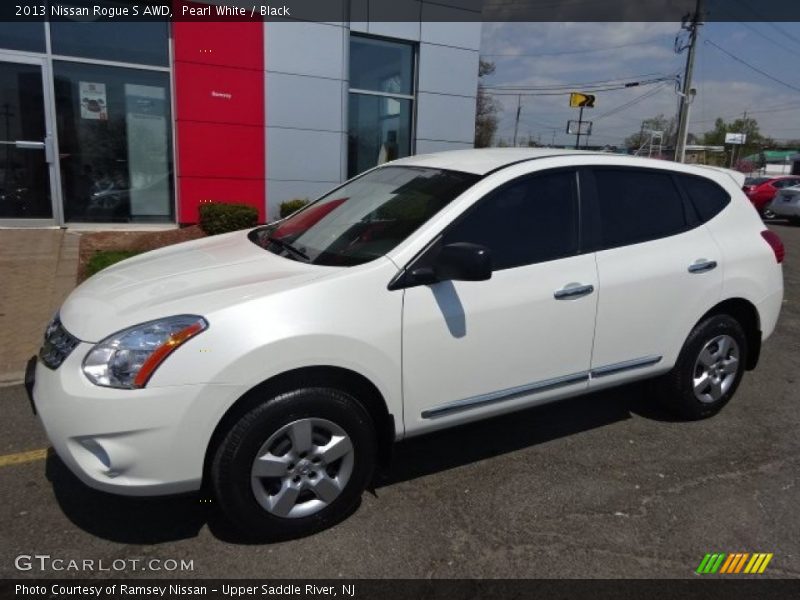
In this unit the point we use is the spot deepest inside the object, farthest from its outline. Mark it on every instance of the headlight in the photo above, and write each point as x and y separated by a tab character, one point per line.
129	358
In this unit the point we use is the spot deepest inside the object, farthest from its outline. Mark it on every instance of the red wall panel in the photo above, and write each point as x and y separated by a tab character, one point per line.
220	150
219	94
237	44
197	190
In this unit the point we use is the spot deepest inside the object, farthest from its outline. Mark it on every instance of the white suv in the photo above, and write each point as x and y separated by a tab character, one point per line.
279	365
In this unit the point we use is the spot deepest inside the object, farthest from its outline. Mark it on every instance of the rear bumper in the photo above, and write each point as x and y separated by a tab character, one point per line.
768	310
143	442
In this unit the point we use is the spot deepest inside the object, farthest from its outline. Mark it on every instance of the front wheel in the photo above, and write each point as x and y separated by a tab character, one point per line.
708	370
295	464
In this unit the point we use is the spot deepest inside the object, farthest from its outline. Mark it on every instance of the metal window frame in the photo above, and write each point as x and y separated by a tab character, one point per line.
413	97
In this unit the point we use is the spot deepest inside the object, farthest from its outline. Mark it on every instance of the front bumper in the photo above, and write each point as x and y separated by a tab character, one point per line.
150	441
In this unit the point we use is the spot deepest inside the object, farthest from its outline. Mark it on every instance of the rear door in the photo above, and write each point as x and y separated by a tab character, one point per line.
659	270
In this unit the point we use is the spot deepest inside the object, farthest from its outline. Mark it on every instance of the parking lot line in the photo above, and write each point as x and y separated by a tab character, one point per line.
23	457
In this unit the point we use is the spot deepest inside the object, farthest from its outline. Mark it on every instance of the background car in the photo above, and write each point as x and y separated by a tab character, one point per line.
761	191
787	204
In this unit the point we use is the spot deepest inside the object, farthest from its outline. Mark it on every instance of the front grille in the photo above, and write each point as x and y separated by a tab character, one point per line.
58	343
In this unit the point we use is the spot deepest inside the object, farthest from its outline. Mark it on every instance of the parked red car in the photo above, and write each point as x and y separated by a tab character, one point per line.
761	190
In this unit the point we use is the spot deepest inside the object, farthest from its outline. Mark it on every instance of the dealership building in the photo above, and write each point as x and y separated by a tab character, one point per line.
139	123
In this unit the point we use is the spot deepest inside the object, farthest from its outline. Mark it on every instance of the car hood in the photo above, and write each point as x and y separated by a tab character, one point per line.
195	277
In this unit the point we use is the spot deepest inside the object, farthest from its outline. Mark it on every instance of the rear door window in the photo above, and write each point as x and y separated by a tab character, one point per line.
637	205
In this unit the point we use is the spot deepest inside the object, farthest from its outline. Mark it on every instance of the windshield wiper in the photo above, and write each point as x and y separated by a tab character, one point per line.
289	247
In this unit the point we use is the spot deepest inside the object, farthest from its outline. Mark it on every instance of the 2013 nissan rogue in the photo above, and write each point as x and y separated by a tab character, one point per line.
278	365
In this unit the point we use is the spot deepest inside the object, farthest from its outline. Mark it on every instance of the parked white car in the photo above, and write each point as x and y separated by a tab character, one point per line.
786	204
279	365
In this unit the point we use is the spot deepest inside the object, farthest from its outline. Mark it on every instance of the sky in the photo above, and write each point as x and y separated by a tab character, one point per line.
549	54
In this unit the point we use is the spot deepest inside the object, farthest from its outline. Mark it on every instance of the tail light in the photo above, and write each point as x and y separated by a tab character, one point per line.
775	243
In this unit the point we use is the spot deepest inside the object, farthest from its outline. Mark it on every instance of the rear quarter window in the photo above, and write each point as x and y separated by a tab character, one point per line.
707	197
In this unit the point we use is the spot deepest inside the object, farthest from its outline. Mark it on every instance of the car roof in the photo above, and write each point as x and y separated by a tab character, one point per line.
483	160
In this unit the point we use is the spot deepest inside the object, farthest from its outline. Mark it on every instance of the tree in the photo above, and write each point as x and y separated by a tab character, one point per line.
755	141
668	127
486	109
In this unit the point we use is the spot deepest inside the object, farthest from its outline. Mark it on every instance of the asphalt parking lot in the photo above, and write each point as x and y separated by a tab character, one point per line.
606	485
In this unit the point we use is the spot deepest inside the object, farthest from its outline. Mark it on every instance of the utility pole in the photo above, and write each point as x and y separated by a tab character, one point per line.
578	135
516	122
693	26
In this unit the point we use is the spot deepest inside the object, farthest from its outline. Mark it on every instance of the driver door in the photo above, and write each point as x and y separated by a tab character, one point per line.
475	349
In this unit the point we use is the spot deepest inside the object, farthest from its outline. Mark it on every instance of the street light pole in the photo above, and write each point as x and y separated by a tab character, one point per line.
683	113
516	122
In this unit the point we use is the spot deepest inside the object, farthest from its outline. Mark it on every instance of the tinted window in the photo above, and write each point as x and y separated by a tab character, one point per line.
381	66
532	220
114	143
128	41
708	198
637	206
782	183
22	35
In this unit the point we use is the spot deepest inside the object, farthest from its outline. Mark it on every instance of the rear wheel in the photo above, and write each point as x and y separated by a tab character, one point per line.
708	370
294	465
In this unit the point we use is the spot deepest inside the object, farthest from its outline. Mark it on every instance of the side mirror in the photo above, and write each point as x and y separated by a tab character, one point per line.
463	261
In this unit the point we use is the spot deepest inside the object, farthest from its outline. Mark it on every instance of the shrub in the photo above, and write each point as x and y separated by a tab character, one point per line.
217	217
292	206
105	258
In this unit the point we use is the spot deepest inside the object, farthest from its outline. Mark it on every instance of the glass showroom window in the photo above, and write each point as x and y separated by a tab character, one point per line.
381	102
114	128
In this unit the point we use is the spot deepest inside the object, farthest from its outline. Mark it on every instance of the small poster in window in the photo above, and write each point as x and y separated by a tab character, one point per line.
93	101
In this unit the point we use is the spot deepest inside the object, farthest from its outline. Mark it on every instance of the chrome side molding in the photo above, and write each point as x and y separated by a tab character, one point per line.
538	387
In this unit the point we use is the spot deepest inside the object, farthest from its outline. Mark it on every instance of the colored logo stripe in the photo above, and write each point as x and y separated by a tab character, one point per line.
711	563
758	563
734	563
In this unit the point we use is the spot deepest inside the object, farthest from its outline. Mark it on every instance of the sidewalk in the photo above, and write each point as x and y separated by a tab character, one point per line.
37	270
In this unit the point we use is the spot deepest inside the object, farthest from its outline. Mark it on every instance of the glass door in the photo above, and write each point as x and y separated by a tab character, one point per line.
26	143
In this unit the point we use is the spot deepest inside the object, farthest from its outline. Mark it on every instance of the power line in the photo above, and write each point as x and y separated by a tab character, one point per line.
756	69
630	103
769	39
573	85
566	90
774	109
566	52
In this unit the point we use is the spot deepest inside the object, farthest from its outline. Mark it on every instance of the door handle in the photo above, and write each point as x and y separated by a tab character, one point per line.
572	291
702	265
29	145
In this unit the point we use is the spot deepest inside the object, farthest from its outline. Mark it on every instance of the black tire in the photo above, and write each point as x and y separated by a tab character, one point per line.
230	472
677	388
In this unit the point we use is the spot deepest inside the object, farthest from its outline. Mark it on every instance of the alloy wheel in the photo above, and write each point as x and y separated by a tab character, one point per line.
302	468
716	368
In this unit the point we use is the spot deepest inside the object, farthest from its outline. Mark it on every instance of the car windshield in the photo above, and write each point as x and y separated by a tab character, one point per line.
365	218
